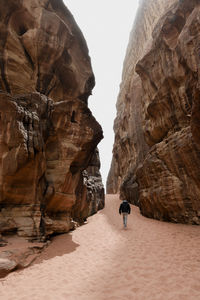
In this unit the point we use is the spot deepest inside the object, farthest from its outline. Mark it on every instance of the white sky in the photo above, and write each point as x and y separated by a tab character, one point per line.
106	26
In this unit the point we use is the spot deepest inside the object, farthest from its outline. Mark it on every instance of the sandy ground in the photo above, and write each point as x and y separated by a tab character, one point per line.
102	261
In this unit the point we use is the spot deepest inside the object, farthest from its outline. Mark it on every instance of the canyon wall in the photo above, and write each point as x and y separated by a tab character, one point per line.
156	155
48	135
130	146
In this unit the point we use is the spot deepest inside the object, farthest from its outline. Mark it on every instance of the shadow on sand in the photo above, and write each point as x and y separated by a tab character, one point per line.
60	245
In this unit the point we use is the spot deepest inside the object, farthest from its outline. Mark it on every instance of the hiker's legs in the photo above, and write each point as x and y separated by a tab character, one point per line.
125	215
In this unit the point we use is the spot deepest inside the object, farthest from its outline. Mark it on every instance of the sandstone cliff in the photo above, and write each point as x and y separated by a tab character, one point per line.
130	146
162	166
48	134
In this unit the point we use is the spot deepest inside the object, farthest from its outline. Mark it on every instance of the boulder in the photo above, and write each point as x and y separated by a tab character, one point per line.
6	266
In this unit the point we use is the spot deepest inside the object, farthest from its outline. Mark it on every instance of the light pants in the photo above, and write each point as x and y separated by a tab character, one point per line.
125	216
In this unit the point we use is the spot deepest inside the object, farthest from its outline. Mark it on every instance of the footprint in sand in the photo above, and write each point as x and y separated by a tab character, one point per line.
196	287
128	277
135	290
66	295
65	281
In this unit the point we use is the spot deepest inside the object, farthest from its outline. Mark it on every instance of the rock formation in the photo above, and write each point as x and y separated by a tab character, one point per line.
130	146
18	253
6	266
157	127
93	182
48	134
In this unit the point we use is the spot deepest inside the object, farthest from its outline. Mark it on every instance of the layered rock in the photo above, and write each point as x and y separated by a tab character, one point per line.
168	174
130	146
6	266
93	182
18	253
48	134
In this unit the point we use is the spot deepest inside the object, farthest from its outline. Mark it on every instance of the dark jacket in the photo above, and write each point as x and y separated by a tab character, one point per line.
124	207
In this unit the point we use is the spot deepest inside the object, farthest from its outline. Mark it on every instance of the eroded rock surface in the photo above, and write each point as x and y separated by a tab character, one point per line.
167	175
48	134
130	146
93	182
19	253
6	266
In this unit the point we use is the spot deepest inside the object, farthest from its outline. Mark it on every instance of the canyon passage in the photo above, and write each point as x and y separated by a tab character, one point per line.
101	260
50	183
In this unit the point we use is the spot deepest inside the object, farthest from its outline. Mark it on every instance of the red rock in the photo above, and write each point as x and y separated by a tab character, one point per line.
6	266
161	157
48	134
130	146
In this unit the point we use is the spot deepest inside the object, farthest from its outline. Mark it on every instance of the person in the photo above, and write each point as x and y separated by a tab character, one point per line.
125	209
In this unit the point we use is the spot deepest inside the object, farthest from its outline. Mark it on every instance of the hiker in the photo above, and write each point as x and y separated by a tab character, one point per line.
125	209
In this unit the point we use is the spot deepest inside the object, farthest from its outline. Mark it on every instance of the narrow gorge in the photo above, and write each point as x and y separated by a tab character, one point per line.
50	180
156	153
